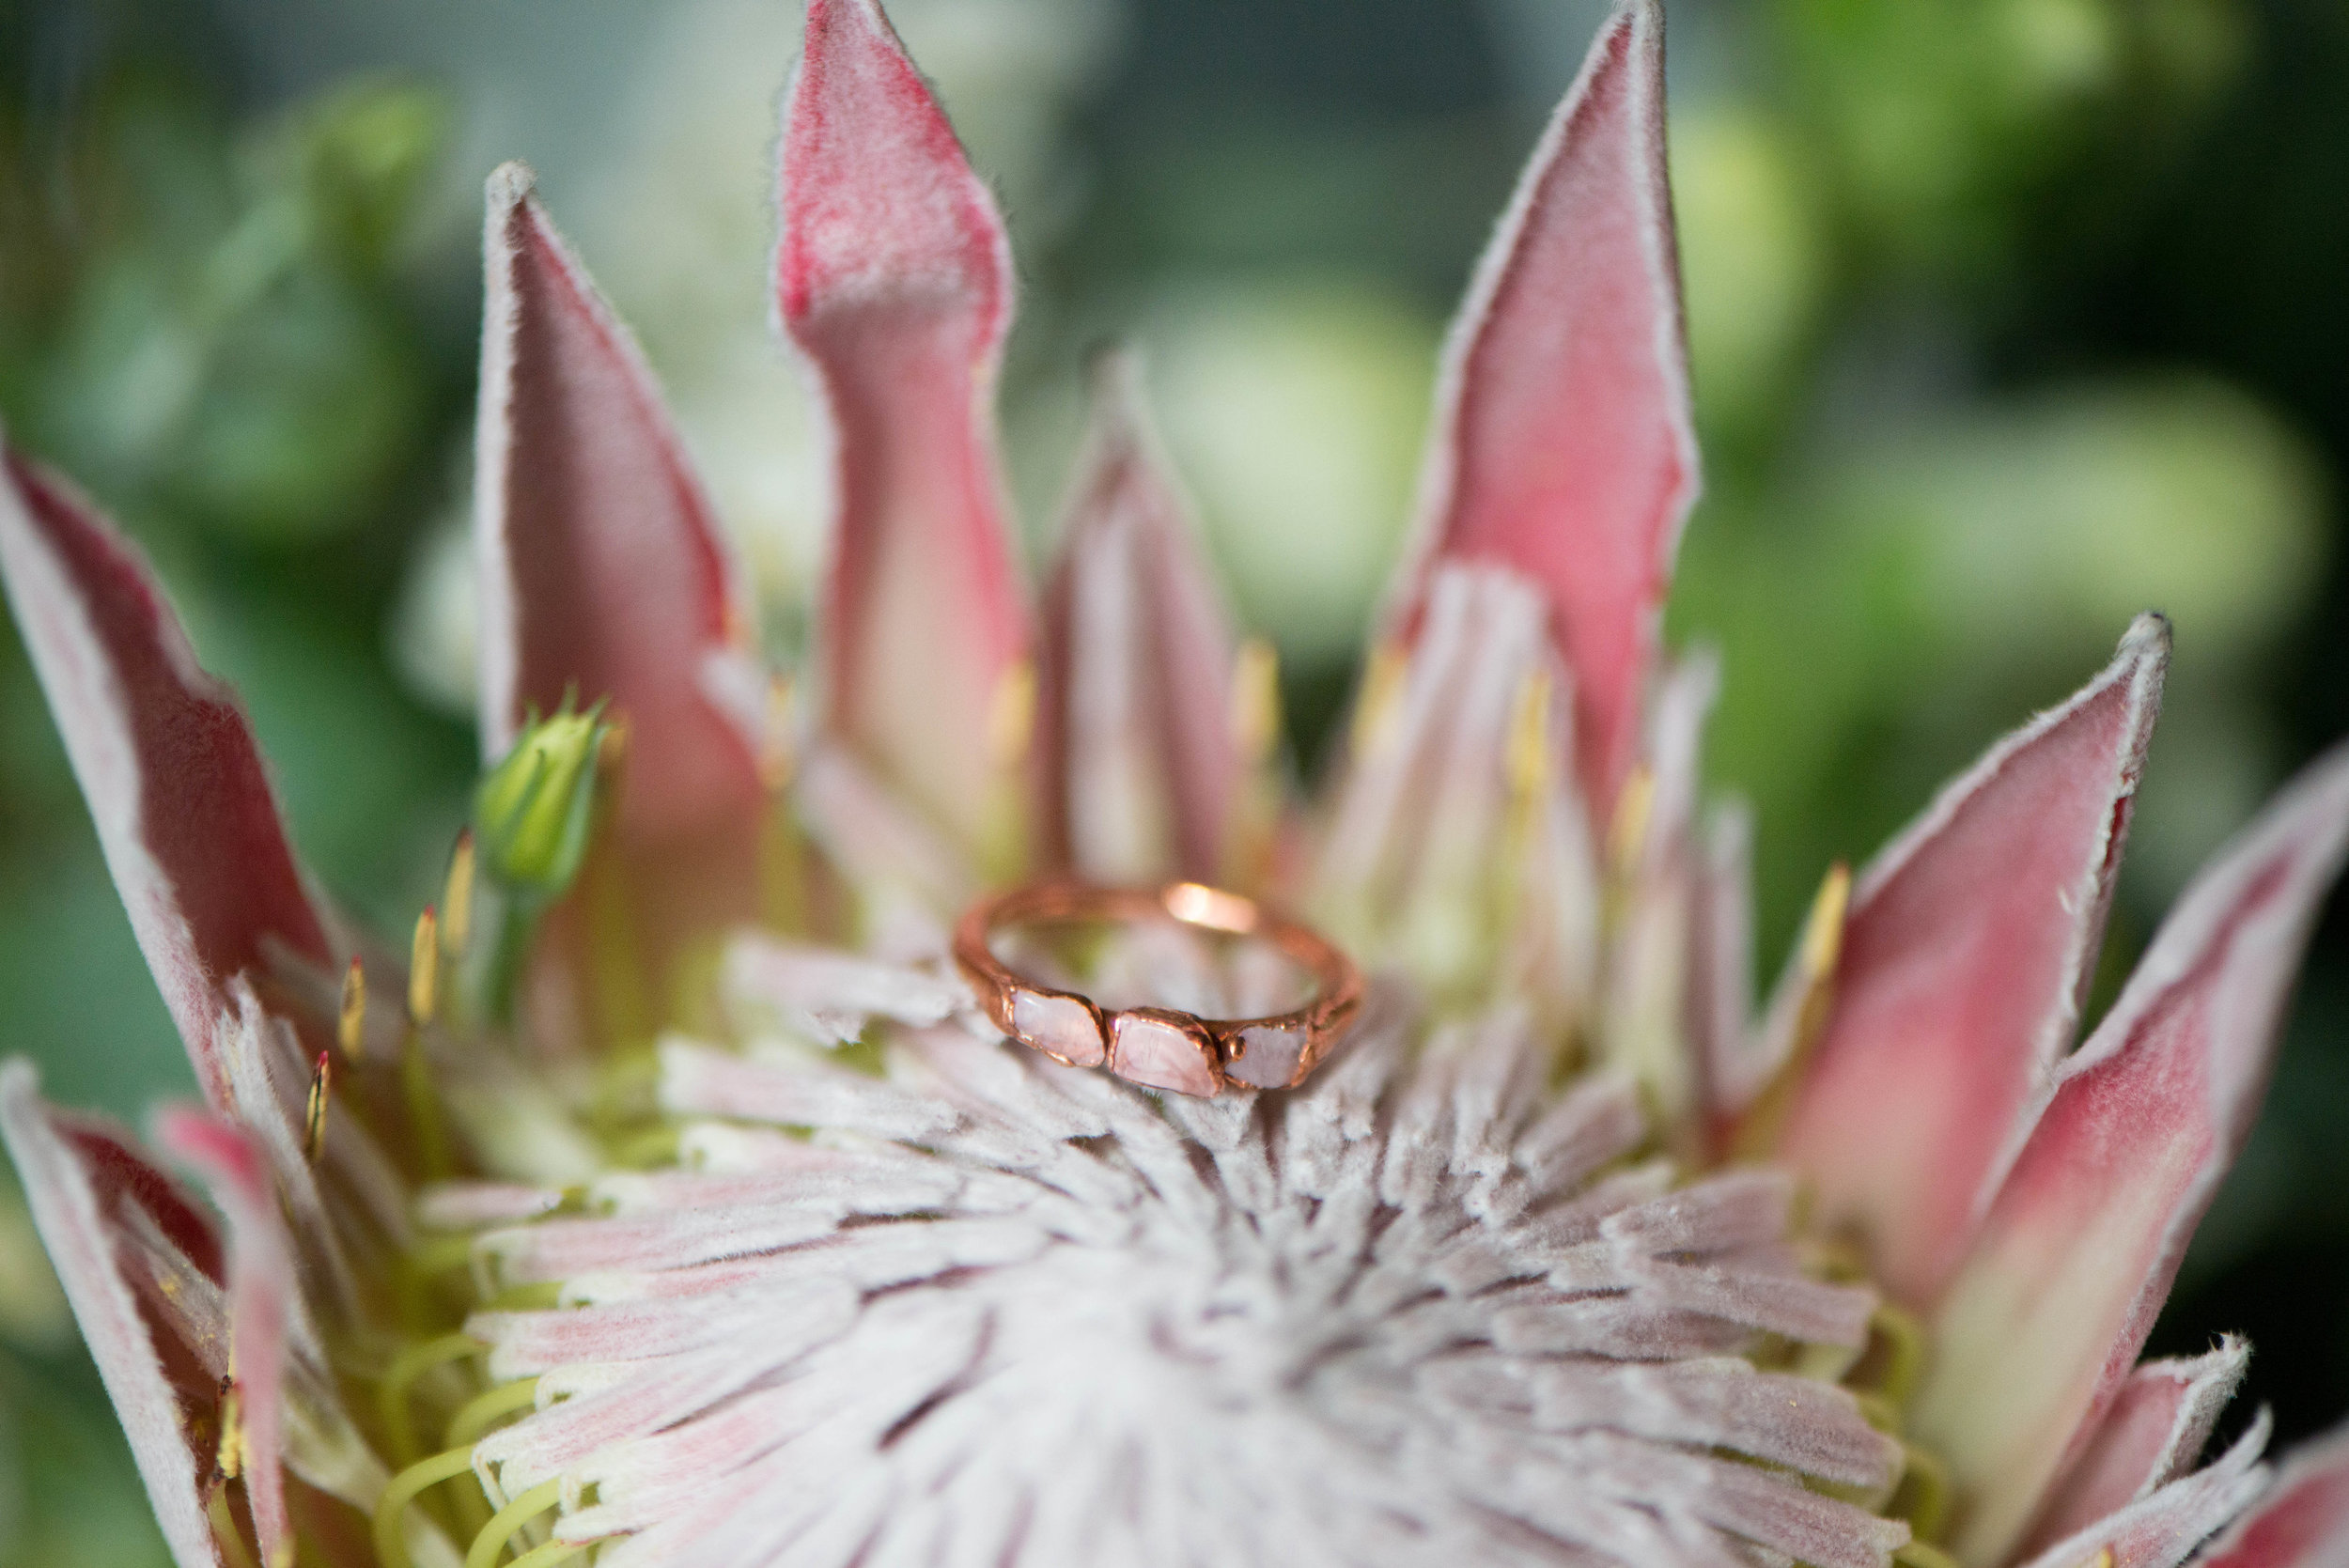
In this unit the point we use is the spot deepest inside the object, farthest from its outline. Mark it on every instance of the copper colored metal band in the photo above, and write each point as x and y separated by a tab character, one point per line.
1160	1046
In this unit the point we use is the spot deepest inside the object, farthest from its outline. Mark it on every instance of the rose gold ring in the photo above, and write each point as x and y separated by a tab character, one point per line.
1160	1047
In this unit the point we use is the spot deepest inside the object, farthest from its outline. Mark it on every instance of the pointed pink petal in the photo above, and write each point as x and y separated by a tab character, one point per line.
2043	1320
2162	1528
1968	945
260	1294
894	278
2154	1432
1134	718
2303	1521
603	571
75	1173
1563	446
166	760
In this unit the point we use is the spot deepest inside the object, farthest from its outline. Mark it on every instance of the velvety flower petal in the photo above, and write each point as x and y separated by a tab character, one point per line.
79	1175
1562	445
2162	1529
2303	1521
604	574
1134	733
165	759
2152	1436
260	1296
893	276
1968	946
2043	1320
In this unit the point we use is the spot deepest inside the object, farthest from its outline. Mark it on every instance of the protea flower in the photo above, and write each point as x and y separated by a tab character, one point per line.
688	1212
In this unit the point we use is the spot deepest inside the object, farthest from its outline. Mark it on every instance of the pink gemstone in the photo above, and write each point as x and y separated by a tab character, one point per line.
1267	1058
1160	1055
1060	1026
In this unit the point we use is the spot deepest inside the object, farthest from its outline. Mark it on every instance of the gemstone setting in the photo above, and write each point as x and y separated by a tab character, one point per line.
1163	1050
1266	1056
1062	1027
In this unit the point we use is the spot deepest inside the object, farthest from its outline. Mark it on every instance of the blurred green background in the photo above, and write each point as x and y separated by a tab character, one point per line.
2010	317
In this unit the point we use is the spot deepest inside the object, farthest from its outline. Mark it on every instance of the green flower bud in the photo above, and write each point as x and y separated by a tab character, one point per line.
533	811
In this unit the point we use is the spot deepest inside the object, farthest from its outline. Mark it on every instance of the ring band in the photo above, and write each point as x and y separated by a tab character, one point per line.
1160	1047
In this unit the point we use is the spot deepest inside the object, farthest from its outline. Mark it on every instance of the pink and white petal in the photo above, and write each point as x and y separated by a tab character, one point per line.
2043	1319
2161	1529
260	1304
1721	969
1964	960
74	1171
893	277
166	760
2154	1432
605	573
2303	1521
1140	763
1562	445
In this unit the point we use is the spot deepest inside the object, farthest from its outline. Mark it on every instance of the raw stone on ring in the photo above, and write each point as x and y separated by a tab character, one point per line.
1160	1047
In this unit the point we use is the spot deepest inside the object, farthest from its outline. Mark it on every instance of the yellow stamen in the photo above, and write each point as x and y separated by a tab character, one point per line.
776	762
229	1459
1529	751
391	1545
549	1555
456	899
351	1033
314	1117
1627	835
1011	715
1823	929
1815	958
423	969
1381	698
507	1520
611	751
1255	716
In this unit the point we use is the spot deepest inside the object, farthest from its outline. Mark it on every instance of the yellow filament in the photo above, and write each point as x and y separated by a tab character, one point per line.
350	1031
1255	716
1011	715
457	897
1823	929
1382	697
424	1107
1627	835
409	1365
1819	952
491	1543
775	760
1529	738
424	969
611	751
229	1459
391	1548
482	1412
314	1115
